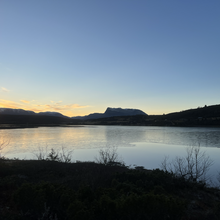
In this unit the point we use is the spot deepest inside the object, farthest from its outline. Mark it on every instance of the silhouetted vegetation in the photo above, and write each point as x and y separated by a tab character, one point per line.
54	155
86	190
193	166
109	156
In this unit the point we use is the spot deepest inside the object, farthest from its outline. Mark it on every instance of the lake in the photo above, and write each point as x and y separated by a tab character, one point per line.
141	146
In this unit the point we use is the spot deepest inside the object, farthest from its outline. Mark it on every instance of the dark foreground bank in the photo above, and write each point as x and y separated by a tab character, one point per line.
86	190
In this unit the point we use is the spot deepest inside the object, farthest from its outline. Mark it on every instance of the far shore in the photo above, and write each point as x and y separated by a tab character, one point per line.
14	126
23	126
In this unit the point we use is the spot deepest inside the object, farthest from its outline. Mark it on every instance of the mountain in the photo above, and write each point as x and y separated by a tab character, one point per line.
112	112
201	116
57	114
21	118
90	116
11	111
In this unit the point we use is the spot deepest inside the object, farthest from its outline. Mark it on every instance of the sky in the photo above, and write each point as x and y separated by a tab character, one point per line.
78	57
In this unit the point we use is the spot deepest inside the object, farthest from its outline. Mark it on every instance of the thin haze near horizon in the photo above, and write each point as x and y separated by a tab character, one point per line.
80	57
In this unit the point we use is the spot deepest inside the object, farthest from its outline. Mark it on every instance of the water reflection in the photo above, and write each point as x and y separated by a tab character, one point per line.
123	137
127	138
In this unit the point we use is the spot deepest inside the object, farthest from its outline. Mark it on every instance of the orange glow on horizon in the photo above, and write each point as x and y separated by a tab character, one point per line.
70	110
67	110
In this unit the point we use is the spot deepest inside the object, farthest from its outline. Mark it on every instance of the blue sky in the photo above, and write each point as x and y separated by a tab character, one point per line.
79	57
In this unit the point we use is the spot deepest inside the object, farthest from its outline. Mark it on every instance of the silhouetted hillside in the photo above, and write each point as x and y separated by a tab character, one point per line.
204	112
112	112
206	116
31	120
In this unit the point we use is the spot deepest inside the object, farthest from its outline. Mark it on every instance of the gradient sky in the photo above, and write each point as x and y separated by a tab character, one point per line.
82	56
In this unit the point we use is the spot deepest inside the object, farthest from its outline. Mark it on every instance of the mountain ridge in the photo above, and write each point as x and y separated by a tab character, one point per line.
12	111
201	116
112	112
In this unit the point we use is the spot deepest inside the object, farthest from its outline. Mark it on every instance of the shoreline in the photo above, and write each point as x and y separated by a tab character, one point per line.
14	126
23	126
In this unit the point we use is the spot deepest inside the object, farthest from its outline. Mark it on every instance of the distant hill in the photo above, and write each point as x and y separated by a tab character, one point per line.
23	118
201	116
57	114
112	112
200	112
11	111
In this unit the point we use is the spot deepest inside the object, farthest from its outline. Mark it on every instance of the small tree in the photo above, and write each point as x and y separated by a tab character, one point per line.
41	153
59	156
194	166
65	156
3	144
109	156
53	156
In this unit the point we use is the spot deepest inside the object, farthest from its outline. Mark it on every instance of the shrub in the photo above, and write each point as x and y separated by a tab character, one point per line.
109	156
4	143
59	156
194	166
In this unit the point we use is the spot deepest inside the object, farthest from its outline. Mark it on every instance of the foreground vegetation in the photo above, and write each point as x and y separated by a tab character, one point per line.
53	187
48	189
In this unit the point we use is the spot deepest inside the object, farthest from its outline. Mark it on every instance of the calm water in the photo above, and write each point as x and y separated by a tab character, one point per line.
143	146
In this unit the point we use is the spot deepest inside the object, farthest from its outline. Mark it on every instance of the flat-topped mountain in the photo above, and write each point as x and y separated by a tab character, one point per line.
112	112
201	116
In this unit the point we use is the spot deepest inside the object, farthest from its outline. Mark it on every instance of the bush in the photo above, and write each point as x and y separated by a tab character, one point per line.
4	143
194	166
59	156
109	156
